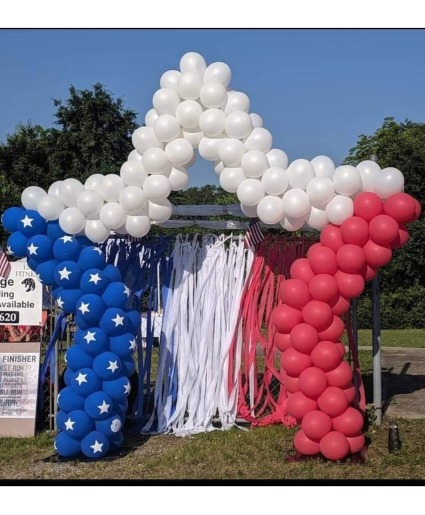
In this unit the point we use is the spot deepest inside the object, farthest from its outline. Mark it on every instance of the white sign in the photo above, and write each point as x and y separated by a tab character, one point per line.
21	296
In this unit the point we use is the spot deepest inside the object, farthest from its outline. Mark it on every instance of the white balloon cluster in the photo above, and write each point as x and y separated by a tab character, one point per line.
195	109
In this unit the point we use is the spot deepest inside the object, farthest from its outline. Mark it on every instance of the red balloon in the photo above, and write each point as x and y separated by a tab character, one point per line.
418	210
401	207
312	382
333	401
351	258
355	231
299	405
305	445
322	259
294	362
402	238
367	205
377	255
316	425
341	306
284	318
282	341
304	338
295	293
323	287
383	229
334	332
326	356
334	446
301	269
356	443
341	376
350	393
290	383
349	285
341	348
331	237
318	314
348	423
368	273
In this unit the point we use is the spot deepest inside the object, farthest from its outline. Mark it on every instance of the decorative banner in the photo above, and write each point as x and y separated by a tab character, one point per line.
19	371
21	296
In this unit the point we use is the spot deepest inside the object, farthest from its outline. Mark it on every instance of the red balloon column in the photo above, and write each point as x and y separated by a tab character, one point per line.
308	326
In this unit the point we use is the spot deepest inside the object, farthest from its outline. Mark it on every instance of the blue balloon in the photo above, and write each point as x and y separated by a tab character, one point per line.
111	426
67	274
113	273
40	248
117	388
93	340
67	446
68	375
31	223
85	381
116	295
67	300
90	308
84	241
95	445
60	419
99	405
69	400
17	244
116	441
92	257
134	321
57	291
78	424
120	407
107	366
94	281
114	321
32	264
76	358
10	218
128	367
54	230
45	272
123	345
80	323
66	248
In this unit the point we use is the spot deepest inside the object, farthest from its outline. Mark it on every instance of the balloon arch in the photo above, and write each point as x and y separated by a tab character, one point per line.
361	212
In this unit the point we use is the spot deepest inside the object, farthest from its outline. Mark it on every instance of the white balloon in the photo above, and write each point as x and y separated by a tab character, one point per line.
150	117
121	230
213	95
194	138
193	62
54	188
323	166
90	202
296	203
254	163
347	180
169	79
72	221
230	178
132	199
208	148
166	128
259	139
231	151
257	121
277	158
339	209
250	192
144	138
290	223
300	172
211	122
188	114
134	156
111	186
389	181
160	210
189	85
50	207
32	195
218	167
133	173
237	101
179	178
238	125
275	180
155	161
179	152
369	170
218	72
69	191
157	187
270	209
249	211
93	182
112	215
96	231
137	226
318	218
321	191
165	101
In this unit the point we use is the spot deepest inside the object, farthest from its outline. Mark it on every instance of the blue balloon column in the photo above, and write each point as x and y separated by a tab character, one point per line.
94	402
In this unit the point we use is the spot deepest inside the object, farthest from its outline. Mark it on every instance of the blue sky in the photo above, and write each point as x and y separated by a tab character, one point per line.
316	90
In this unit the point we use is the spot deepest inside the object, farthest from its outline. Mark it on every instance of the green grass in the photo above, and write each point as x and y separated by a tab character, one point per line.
394	338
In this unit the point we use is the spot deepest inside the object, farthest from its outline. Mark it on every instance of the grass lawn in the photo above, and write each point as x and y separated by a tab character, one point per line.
394	337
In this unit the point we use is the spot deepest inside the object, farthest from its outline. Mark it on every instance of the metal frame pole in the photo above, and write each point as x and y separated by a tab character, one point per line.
376	350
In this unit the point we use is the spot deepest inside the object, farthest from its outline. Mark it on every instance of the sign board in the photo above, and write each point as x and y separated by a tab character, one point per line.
21	296
19	376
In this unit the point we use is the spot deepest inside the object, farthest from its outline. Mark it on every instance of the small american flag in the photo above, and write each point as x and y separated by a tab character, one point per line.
4	265
253	235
